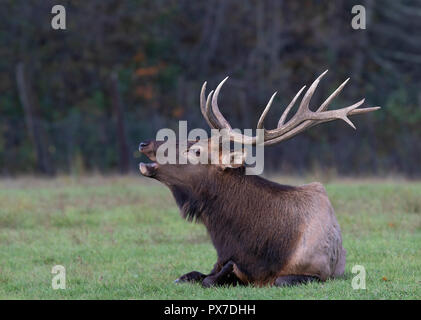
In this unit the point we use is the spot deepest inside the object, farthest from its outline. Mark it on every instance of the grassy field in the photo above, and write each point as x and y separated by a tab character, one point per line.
123	238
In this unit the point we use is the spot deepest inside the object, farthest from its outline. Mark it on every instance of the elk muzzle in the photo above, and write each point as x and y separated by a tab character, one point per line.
148	149
148	169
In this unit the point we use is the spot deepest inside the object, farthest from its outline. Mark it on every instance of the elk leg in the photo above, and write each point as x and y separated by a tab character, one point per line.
196	276
287	281
193	276
224	277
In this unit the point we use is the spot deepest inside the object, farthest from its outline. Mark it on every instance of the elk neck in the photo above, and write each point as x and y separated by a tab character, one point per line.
219	194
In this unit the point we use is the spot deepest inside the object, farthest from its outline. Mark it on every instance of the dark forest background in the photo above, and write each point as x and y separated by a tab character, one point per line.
81	99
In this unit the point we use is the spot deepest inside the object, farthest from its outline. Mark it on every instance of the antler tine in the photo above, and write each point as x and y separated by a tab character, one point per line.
215	110
203	104
213	122
263	116
363	110
309	94
203	98
288	109
325	104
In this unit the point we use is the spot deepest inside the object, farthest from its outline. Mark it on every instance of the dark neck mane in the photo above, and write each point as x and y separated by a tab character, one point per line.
198	199
215	192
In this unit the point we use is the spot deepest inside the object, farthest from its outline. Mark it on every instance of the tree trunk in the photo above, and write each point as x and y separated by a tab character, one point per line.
118	110
36	132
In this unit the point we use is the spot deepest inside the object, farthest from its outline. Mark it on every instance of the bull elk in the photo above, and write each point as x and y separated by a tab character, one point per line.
264	233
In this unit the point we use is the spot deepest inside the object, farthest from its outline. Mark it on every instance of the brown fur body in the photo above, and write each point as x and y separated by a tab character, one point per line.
266	229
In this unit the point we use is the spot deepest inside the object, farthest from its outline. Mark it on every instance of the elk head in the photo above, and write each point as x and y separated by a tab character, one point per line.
193	169
199	161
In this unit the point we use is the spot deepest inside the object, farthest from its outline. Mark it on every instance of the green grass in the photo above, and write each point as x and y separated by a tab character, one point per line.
123	238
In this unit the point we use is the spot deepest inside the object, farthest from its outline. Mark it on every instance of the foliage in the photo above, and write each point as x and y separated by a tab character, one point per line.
162	52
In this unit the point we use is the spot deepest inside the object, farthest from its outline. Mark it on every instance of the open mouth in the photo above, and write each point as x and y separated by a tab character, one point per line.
148	169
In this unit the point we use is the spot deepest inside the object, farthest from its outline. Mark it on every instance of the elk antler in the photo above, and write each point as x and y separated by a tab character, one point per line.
303	119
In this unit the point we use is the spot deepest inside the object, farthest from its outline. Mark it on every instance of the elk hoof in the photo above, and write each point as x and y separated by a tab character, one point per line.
208	282
193	276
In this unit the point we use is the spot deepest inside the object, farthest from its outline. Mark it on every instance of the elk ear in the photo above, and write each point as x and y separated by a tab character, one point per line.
234	159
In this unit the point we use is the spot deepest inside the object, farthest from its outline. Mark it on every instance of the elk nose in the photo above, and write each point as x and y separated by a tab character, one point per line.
143	145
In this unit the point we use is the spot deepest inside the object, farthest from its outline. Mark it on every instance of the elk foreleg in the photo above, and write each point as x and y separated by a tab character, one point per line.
193	276
225	276
196	276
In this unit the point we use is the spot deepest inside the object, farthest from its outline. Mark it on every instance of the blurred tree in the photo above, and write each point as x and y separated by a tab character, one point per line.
35	130
162	51
118	109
